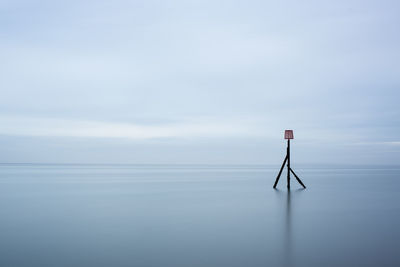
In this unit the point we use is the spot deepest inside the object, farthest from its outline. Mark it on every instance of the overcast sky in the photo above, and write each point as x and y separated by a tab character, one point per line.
199	81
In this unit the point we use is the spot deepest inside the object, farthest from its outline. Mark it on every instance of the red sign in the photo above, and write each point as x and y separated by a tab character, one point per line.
288	134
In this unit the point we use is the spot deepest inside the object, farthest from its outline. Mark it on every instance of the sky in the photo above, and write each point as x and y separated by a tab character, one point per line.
214	82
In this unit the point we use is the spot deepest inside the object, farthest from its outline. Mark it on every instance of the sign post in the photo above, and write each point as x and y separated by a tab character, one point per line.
288	136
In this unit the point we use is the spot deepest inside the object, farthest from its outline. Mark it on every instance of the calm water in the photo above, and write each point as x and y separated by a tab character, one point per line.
149	215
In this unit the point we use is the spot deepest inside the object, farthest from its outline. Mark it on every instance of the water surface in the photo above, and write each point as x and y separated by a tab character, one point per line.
197	215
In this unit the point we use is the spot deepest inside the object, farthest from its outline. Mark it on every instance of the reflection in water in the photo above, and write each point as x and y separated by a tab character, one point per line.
287	255
288	233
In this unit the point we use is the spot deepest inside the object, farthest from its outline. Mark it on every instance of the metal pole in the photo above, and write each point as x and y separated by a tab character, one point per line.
288	163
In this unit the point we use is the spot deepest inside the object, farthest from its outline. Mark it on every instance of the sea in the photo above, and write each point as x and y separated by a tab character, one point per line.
198	215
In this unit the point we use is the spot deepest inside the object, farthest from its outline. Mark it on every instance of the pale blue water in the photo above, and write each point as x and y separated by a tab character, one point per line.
196	215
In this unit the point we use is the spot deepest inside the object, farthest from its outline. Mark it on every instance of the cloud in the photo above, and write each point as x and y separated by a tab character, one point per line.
386	143
50	127
143	70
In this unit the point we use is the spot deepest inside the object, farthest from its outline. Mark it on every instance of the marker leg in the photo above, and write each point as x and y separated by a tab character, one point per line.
280	172
298	179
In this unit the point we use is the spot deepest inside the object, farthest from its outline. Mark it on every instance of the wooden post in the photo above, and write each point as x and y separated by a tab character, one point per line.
288	163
